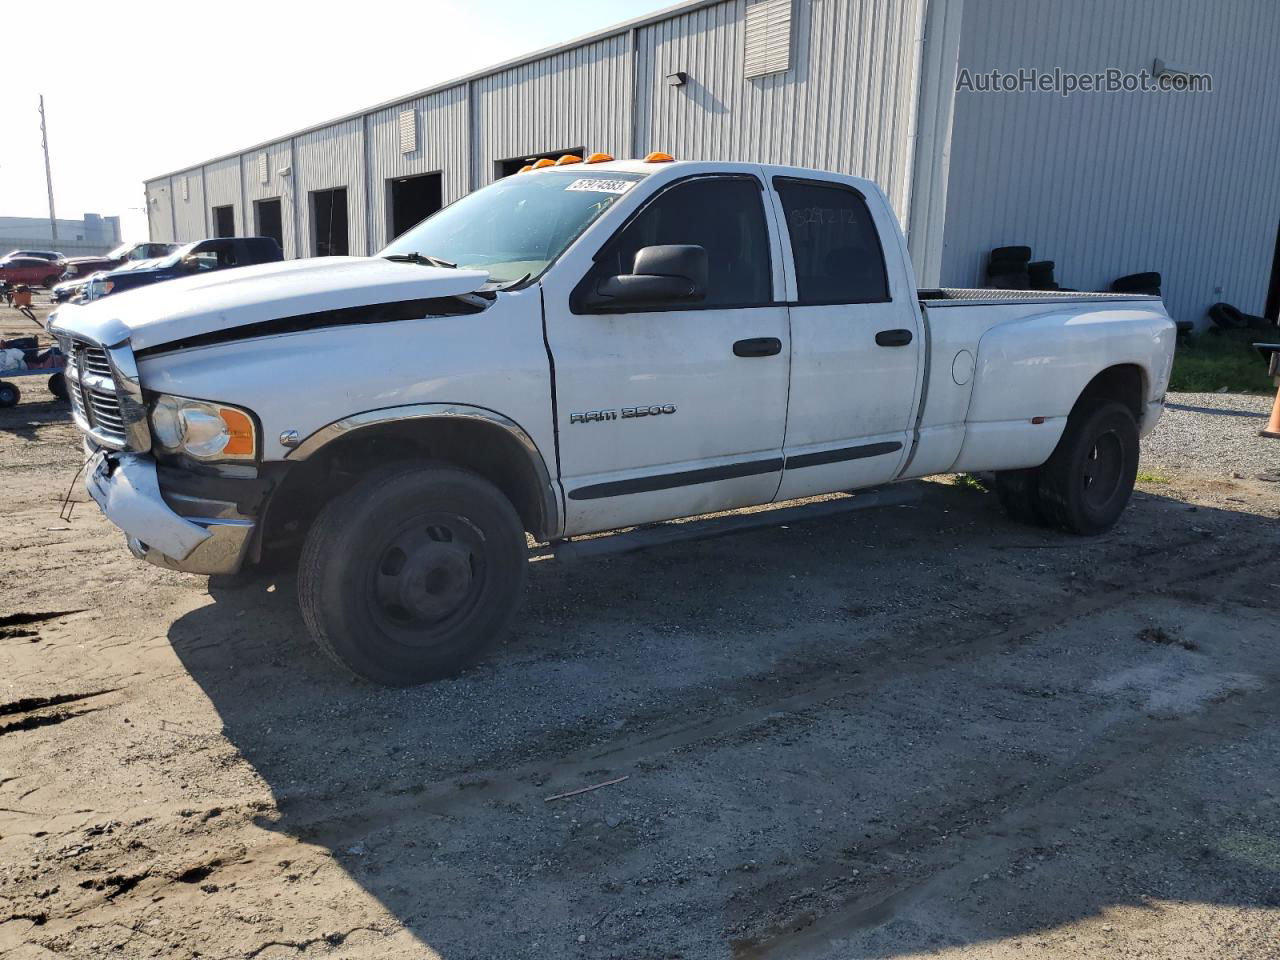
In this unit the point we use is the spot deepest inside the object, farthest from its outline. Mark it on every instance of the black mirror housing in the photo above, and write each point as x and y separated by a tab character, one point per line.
669	274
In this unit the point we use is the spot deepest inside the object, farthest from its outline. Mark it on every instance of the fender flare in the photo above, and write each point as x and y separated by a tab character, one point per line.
548	491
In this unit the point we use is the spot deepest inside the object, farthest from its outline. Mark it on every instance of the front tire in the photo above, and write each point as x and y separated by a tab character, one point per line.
413	573
9	394
1086	484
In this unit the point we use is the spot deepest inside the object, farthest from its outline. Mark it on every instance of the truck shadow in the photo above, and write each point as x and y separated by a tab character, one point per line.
865	737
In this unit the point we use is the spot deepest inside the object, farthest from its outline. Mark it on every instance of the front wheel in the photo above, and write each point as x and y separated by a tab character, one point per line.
9	394
413	573
1086	484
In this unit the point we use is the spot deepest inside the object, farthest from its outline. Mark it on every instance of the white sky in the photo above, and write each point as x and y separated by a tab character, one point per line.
135	90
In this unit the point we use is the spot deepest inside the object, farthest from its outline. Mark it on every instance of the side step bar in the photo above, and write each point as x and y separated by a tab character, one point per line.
662	534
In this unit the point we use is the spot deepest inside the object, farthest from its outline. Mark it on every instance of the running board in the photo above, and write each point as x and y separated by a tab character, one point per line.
662	534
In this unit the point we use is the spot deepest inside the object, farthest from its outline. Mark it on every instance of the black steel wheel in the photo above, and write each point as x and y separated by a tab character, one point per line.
1086	484
9	394
413	573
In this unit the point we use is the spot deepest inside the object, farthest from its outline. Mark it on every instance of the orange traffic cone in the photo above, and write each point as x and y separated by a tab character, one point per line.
1272	429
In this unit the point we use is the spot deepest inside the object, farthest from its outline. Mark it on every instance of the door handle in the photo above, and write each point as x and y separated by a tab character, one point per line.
893	338
757	347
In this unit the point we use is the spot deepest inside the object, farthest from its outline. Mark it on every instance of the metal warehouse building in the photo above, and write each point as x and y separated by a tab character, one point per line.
1102	183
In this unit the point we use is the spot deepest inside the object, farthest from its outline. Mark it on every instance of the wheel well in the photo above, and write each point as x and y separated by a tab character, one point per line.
1124	382
486	449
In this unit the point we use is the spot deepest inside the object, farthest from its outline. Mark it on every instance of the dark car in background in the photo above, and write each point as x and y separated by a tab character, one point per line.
201	256
81	267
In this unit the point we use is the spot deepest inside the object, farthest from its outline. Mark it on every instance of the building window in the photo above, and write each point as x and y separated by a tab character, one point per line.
329	222
767	37
505	168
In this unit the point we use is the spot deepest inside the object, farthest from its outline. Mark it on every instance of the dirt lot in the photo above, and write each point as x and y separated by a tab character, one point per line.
919	731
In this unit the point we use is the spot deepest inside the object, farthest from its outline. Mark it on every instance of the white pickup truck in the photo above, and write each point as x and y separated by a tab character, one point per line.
582	347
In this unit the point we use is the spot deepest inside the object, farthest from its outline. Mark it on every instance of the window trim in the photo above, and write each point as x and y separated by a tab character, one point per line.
577	295
830	185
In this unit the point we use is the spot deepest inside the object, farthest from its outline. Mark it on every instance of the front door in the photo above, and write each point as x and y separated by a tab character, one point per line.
856	342
676	410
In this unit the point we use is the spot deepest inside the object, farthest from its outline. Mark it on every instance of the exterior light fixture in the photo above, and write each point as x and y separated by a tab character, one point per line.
677	79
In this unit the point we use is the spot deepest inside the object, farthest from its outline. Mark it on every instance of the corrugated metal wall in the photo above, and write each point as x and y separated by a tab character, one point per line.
191	220
160	210
847	103
222	188
441	147
279	158
1107	184
325	159
577	99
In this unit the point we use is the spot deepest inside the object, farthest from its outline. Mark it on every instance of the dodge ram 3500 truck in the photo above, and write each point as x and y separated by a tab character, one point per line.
579	348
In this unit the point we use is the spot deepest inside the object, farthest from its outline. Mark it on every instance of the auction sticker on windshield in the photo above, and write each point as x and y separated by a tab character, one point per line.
601	186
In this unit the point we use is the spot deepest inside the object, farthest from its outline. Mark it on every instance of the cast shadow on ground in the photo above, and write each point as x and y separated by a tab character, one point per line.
433	799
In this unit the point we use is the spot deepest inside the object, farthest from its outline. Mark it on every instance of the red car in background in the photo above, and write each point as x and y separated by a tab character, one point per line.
32	271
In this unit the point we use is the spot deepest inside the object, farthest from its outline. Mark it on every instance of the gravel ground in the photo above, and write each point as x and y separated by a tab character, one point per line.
1212	432
922	731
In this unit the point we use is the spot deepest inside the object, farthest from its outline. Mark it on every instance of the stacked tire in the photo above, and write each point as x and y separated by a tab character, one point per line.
1007	268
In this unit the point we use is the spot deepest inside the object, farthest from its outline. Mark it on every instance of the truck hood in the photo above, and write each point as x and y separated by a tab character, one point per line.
186	307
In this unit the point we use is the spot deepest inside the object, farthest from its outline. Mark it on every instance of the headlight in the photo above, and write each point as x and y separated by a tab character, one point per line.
205	431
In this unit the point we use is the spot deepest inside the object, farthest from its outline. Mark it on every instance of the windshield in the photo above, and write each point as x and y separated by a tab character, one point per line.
175	258
517	226
119	252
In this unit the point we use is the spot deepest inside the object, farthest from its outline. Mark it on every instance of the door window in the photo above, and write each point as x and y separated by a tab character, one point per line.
834	243
725	216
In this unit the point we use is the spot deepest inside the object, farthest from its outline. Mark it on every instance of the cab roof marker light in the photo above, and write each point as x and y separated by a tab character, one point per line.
598	158
659	157
544	162
567	159
526	168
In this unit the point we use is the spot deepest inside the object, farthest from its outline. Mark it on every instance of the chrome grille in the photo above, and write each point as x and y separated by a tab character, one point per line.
97	399
93	360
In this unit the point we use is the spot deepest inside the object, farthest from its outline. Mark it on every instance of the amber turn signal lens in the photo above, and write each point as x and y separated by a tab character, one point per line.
657	157
526	168
599	158
240	430
567	159
544	162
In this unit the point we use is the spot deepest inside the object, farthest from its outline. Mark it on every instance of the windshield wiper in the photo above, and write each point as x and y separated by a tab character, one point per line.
421	259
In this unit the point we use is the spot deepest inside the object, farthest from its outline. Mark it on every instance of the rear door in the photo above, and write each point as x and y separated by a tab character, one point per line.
674	410
856	339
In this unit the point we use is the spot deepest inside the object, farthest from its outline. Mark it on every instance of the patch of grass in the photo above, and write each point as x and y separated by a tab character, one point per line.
969	481
1144	477
1223	358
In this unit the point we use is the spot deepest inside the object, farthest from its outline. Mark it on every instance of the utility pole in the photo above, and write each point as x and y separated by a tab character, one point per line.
48	173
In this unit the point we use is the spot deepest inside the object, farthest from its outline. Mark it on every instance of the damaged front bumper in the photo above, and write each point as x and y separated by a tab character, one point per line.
190	533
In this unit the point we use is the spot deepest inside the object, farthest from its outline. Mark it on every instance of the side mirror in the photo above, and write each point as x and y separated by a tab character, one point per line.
670	274
190	264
